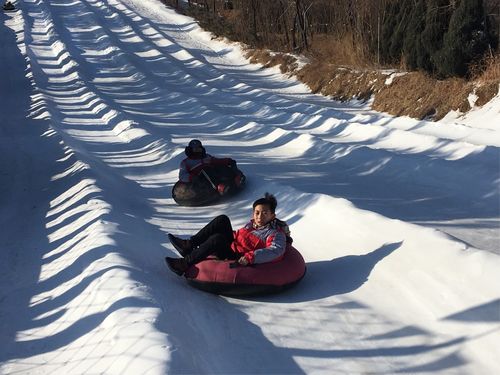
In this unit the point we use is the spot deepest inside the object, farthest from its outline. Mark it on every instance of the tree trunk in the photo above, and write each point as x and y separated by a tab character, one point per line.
254	19
285	24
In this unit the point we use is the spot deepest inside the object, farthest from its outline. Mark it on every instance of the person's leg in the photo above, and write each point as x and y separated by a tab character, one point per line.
219	225
213	239
217	244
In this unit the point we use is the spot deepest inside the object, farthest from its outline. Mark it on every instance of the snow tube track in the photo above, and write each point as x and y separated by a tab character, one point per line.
171	73
396	218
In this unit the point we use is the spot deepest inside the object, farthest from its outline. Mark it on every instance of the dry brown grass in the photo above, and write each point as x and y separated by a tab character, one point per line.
341	83
414	94
487	79
485	92
343	52
487	70
420	96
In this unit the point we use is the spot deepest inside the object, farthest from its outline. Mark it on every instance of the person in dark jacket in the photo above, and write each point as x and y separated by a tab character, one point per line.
263	239
9	6
197	160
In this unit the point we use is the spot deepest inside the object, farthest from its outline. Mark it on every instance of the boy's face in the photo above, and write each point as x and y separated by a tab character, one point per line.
262	214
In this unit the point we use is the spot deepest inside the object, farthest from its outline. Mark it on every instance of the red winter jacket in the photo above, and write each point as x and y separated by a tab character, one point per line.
260	244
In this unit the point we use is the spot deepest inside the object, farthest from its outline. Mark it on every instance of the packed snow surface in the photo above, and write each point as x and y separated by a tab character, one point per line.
397	219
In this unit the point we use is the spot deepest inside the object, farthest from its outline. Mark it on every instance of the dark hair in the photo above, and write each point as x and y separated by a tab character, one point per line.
268	200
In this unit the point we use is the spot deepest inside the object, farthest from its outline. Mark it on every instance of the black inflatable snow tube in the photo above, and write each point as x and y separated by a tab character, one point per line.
202	193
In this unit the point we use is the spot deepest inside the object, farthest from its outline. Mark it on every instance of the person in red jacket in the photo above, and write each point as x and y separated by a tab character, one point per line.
198	160
263	239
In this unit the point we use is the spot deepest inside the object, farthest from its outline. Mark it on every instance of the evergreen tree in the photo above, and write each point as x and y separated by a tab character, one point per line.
412	46
397	39
437	19
389	22
464	41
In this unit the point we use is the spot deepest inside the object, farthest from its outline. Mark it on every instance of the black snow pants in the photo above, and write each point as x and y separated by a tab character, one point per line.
215	238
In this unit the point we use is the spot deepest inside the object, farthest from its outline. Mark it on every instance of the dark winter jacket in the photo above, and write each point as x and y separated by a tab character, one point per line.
190	168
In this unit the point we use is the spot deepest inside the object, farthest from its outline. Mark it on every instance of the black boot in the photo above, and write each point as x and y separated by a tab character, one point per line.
184	247
177	265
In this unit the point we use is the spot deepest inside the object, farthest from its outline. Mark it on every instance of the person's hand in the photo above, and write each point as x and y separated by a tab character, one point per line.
243	261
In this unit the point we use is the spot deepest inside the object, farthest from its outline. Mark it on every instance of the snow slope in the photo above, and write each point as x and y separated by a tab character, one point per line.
398	219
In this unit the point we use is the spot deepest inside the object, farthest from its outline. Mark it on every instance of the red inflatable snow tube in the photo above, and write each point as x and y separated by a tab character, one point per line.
217	276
